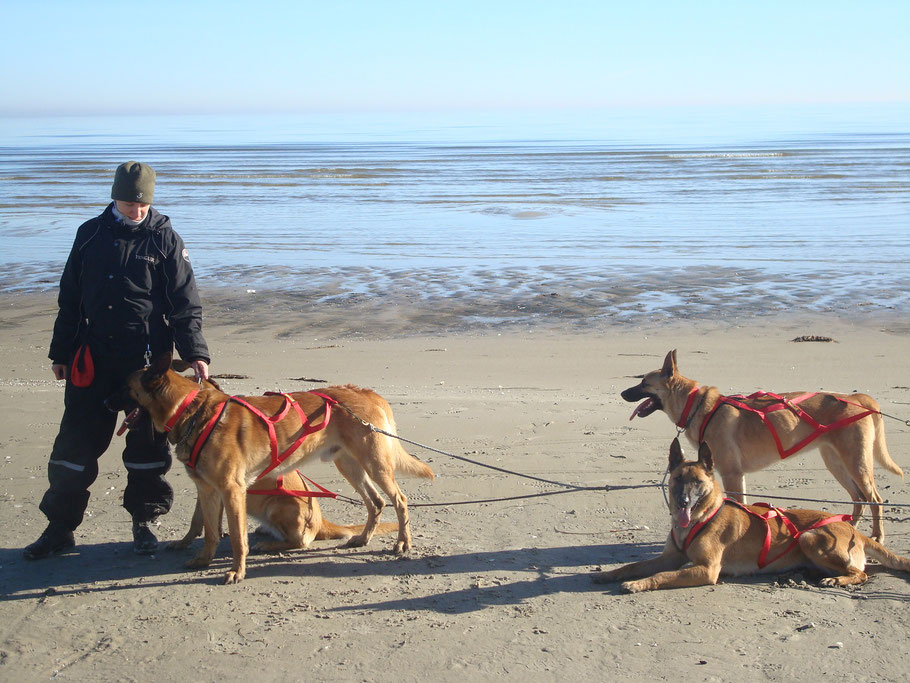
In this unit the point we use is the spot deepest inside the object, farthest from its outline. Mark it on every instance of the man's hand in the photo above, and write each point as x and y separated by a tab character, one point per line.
200	369
60	370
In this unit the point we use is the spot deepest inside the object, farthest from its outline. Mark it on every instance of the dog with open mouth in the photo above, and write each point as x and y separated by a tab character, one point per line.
749	433
718	536
229	442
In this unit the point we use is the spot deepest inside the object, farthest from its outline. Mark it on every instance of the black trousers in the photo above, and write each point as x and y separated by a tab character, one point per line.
86	430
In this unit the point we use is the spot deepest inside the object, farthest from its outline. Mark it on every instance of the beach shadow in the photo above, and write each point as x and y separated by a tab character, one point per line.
555	570
88	568
107	567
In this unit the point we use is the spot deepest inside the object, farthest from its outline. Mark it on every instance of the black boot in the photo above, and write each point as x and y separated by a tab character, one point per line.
55	539
144	541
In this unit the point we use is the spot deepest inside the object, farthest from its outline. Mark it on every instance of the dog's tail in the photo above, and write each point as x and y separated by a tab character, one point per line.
880	447
404	462
889	559
408	464
330	532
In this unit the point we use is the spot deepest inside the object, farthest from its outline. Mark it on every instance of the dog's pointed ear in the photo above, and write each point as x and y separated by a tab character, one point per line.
669	368
676	454
160	365
180	365
705	459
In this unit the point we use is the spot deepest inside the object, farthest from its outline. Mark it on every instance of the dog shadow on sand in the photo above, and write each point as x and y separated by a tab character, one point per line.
103	567
497	577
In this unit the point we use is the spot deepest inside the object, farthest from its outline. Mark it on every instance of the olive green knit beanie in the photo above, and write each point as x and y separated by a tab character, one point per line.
134	182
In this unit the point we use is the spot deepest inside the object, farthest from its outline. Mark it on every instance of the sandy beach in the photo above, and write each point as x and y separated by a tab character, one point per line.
499	588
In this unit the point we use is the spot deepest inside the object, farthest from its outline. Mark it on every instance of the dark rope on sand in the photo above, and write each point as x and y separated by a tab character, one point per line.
575	488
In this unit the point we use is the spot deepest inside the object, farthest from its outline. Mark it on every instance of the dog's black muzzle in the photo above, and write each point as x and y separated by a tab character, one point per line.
635	393
121	400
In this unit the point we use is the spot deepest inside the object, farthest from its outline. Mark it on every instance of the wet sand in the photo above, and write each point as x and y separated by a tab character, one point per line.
523	378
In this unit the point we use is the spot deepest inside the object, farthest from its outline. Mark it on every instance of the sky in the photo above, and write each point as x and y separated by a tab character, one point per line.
202	56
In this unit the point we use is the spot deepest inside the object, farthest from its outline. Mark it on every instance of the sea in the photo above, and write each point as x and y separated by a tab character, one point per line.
698	211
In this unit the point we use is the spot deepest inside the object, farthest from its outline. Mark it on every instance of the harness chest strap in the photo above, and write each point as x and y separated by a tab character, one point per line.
683	421
772	513
180	410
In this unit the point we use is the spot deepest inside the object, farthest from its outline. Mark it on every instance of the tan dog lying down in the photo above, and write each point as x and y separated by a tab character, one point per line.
720	538
294	521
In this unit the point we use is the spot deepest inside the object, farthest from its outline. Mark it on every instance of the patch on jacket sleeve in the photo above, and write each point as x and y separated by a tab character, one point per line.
186	255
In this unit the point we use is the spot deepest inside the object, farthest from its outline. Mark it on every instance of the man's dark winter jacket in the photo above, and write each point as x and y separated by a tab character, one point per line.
127	288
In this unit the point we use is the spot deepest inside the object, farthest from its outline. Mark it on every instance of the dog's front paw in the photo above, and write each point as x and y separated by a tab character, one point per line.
401	548
602	577
198	562
635	586
357	541
182	544
233	577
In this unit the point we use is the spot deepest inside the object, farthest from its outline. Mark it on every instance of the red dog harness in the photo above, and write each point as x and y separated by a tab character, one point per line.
304	493
270	422
777	403
772	513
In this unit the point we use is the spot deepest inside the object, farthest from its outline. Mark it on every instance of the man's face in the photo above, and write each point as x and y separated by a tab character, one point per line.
135	211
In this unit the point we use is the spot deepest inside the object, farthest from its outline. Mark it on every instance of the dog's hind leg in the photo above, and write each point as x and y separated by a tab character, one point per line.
358	478
836	549
856	476
386	481
195	530
835	464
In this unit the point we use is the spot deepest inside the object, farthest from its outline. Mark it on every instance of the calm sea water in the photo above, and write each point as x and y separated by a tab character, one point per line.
802	206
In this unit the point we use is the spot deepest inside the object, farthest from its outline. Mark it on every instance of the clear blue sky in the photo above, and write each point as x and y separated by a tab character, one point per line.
85	56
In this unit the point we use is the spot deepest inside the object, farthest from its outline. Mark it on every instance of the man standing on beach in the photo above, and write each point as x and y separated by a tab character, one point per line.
127	292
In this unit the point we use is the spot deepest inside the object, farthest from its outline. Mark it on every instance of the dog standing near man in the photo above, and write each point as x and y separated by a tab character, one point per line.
227	442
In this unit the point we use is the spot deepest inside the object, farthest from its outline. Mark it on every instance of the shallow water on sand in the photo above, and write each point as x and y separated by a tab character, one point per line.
612	217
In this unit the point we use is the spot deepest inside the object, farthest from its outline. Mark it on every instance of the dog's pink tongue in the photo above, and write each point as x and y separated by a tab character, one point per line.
683	518
641	406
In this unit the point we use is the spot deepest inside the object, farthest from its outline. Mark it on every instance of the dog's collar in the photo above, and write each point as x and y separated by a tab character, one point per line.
685	418
696	529
180	410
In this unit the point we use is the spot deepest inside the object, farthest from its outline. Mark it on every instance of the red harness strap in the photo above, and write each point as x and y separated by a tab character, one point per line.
276	458
695	530
795	533
281	491
180	410
781	403
683	421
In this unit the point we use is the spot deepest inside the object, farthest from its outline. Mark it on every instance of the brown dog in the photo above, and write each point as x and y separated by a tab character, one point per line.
294	521
721	537
239	448
743	442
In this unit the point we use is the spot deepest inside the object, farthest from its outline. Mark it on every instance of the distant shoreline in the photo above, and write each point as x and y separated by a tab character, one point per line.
409	306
